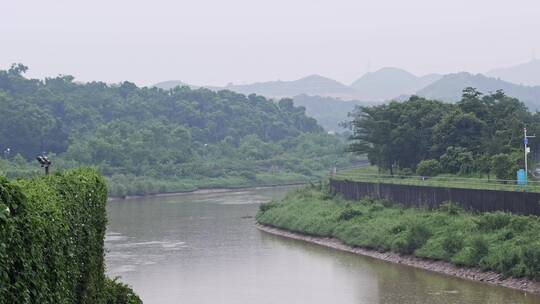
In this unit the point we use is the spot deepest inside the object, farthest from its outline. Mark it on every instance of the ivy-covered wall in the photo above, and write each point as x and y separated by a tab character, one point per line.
52	240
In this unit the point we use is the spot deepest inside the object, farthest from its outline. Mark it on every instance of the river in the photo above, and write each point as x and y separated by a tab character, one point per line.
204	248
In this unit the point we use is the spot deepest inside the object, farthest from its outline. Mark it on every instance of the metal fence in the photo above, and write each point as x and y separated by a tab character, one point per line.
424	195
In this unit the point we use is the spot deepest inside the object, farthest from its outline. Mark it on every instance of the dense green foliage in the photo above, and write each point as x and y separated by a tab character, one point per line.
463	137
497	241
170	137
119	293
51	239
46	115
428	167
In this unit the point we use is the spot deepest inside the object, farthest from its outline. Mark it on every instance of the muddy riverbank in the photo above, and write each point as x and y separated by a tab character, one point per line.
445	268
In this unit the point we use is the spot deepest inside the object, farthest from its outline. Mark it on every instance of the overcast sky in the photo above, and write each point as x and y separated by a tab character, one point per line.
212	42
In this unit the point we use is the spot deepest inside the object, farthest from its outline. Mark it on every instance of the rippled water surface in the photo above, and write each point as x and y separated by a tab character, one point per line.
203	248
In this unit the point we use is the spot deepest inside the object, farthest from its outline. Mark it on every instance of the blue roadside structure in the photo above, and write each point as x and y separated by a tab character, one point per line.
521	180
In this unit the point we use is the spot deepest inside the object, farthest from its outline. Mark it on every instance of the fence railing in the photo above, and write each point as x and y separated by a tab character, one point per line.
440	181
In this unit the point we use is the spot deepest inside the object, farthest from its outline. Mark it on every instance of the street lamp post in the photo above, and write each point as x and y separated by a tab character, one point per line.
45	163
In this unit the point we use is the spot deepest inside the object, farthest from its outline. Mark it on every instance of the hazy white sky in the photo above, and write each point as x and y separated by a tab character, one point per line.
215	42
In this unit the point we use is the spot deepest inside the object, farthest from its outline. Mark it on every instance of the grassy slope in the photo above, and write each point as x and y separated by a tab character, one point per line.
502	242
371	174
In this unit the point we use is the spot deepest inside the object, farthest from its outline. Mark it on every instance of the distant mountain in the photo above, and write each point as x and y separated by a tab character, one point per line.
388	83
170	84
328	111
381	85
329	101
449	88
310	85
526	73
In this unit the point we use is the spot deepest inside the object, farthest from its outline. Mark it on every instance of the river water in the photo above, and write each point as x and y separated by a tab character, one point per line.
203	248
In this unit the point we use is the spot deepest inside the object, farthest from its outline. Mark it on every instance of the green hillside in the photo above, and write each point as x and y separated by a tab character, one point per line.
148	140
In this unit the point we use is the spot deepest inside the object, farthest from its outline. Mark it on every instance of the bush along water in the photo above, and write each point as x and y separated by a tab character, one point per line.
498	241
52	241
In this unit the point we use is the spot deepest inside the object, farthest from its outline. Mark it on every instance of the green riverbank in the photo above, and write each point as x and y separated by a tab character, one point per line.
501	242
128	186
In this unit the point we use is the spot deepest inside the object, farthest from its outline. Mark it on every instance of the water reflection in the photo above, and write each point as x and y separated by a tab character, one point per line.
203	248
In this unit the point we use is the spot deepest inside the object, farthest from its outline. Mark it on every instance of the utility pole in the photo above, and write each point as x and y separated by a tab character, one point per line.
527	150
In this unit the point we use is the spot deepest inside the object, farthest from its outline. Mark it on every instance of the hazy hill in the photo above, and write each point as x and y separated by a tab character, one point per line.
526	73
384	84
310	85
321	101
328	111
170	84
387	83
450	86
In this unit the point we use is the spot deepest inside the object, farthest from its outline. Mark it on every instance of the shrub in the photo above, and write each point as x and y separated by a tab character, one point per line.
249	175
327	191
387	203
51	238
429	167
472	254
432	250
452	242
376	207
267	206
530	255
482	164
349	214
451	208
480	246
412	238
119	293
501	166
404	172
494	220
503	260
520	224
456	159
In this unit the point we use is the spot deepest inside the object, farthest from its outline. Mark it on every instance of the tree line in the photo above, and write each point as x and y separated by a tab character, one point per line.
480	134
125	130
